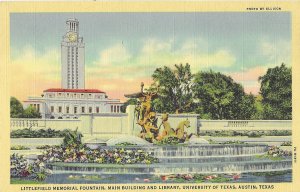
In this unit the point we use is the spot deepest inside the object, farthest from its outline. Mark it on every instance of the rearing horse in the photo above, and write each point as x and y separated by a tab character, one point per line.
180	133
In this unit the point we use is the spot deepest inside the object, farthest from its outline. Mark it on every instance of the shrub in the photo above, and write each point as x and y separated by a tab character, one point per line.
125	144
46	146
169	141
40	133
254	134
19	147
248	133
286	143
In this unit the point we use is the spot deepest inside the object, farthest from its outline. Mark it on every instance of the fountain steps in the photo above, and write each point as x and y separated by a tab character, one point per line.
207	159
229	158
175	168
162	173
209	150
198	150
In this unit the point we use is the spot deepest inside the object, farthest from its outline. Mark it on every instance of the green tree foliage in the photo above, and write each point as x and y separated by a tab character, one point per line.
16	108
276	91
175	94
31	112
218	97
131	101
259	108
17	111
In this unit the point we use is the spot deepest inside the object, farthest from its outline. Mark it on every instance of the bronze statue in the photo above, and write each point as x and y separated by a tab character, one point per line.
179	132
146	118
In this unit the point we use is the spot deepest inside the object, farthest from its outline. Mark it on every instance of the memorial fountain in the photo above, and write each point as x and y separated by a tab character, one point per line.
184	157
185	154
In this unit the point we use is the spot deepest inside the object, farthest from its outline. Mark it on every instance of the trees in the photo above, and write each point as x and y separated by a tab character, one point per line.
16	108
276	92
175	94
210	94
31	112
130	101
17	111
217	96
247	108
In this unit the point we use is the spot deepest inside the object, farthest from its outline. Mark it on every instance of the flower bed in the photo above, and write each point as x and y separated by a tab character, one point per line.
105	156
275	153
73	151
199	178
21	168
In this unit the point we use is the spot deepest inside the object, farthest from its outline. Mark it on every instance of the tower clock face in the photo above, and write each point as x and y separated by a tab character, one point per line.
72	37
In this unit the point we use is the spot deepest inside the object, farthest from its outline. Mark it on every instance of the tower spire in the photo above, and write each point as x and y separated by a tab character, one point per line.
72	57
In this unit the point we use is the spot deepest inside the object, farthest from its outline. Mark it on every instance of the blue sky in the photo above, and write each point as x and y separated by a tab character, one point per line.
127	47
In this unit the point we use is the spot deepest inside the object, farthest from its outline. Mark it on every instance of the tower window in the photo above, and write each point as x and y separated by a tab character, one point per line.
82	109
90	109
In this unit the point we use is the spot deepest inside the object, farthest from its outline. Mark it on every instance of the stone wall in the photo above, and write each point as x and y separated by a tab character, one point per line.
259	125
125	123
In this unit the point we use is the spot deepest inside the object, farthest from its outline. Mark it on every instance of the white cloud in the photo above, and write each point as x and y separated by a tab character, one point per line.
32	72
113	55
152	46
46	63
117	62
276	52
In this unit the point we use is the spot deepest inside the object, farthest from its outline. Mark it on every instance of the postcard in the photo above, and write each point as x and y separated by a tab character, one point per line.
149	96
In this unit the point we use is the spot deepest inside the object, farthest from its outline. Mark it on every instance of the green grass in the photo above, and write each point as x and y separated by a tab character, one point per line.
25	181
269	157
272	173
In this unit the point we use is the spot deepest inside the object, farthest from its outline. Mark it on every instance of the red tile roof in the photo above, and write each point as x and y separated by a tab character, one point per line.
74	90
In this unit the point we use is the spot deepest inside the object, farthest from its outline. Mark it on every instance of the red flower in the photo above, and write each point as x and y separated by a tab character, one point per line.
164	178
236	176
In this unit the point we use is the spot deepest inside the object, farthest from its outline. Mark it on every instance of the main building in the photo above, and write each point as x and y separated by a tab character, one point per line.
72	99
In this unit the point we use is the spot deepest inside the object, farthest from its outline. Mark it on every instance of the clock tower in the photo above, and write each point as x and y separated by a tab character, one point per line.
72	57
